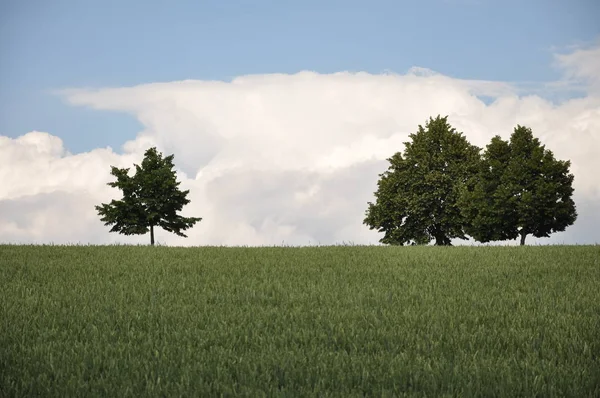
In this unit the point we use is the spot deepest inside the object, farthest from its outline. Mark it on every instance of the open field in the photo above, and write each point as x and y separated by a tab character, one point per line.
124	321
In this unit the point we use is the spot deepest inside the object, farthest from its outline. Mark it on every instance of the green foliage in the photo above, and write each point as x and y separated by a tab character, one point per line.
329	321
416	199
151	197
483	200
519	189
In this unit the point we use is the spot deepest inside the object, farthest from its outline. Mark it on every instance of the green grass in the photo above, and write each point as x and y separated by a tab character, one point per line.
126	321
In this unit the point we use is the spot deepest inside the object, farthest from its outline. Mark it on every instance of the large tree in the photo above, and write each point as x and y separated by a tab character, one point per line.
151	198
483	200
520	189
416	199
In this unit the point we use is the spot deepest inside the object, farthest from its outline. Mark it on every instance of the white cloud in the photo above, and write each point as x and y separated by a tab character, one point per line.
582	65
293	159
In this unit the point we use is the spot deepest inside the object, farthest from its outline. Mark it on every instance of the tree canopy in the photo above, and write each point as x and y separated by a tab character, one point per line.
417	197
151	198
518	190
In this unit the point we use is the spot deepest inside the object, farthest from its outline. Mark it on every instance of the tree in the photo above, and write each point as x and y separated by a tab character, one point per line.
482	201
520	189
416	199
151	198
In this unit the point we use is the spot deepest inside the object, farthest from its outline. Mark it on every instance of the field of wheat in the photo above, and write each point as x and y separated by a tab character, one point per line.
132	321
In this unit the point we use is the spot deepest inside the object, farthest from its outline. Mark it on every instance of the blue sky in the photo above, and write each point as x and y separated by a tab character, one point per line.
51	45
280	114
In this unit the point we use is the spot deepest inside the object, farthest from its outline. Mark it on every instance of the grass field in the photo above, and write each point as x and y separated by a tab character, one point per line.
124	321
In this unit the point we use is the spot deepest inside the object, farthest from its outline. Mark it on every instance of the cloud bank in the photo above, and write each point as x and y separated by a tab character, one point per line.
291	159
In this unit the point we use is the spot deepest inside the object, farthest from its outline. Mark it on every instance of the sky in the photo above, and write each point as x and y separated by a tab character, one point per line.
281	115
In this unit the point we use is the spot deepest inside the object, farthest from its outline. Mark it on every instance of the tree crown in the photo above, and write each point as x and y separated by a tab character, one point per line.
151	197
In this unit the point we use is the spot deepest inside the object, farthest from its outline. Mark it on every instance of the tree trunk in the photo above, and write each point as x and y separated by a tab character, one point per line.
523	235
442	240
440	237
152	235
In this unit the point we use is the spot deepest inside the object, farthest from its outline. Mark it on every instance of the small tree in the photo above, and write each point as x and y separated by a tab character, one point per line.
151	198
520	189
416	199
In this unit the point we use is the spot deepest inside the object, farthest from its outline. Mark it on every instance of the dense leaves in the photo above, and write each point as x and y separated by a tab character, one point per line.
441	188
417	196
483	200
519	189
151	197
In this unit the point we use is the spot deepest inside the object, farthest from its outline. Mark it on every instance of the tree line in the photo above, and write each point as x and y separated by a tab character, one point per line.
439	188
442	188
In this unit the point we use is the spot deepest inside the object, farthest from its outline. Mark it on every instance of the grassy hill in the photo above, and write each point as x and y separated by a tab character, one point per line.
138	321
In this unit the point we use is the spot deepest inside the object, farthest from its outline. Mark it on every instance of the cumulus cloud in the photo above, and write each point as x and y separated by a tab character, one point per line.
277	158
